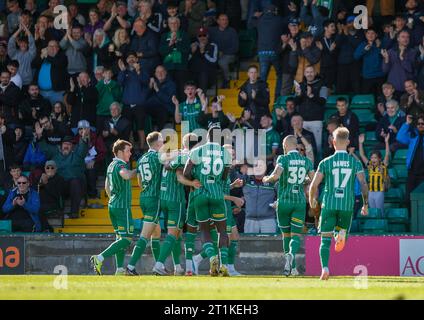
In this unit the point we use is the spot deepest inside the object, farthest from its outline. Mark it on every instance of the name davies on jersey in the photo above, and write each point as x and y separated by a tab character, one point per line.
344	164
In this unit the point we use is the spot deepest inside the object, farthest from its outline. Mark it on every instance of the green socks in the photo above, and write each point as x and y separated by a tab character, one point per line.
166	249
139	248
209	250
294	248
116	247
286	244
176	251
232	251
324	251
119	258
214	236
224	255
189	245
155	247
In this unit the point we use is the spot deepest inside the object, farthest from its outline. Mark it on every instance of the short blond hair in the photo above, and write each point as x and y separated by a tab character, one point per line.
341	134
153	137
120	145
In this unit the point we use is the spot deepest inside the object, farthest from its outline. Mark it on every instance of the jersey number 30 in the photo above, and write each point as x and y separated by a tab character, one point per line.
216	167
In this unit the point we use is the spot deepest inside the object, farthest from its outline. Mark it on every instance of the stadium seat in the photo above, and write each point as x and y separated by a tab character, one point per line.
281	101
402	172
400	157
373	213
398	227
5	226
394	195
365	117
375	226
355	226
393	176
328	113
363	101
397	215
332	100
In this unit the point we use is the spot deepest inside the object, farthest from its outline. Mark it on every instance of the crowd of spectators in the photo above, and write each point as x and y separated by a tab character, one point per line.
120	68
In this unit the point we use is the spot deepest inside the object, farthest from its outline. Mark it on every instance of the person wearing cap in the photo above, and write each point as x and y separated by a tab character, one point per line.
172	12
194	10
304	54
348	69
50	188
94	158
226	38
204	60
70	165
146	44
270	28
290	41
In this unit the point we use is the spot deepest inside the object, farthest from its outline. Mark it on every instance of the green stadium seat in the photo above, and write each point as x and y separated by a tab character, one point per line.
398	227
389	205
365	117
281	101
328	113
393	176
363	101
397	215
402	172
355	226
370	137
394	195
373	213
375	226
5	226
400	157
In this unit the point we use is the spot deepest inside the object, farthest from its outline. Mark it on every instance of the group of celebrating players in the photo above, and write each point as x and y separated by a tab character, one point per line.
164	177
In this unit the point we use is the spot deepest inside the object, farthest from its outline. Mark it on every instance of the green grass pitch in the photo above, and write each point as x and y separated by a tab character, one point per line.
204	287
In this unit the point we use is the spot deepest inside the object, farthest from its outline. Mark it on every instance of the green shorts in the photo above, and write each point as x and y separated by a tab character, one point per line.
191	214
331	220
291	216
209	209
122	222
231	222
151	209
175	212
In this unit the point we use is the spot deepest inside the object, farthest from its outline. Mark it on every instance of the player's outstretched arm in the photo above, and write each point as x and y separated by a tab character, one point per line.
275	175
313	189
127	174
364	191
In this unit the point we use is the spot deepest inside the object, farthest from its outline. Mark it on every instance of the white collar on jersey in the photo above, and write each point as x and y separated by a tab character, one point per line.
292	151
117	159
340	151
153	150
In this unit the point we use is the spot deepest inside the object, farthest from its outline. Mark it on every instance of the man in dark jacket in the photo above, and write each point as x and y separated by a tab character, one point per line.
290	43
53	131
348	69
159	104
53	72
254	95
83	97
71	165
146	44
270	28
50	189
349	120
34	106
204	60
311	97
10	97
22	206
329	53
390	123
116	126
